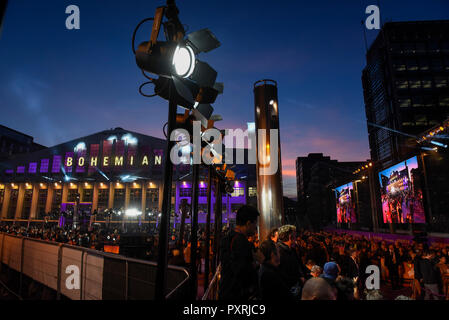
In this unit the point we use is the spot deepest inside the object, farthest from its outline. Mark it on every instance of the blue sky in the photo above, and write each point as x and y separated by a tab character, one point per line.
60	84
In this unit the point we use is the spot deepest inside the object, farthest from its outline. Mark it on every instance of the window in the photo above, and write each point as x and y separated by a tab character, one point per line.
421	119
252	191
238	192
417	102
41	203
404	103
26	207
398	65
71	195
412	65
135	198
415	84
203	192
427	83
444	101
103	199
408	124
185	192
12	204
437	64
57	199
119	198
87	195
440	82
152	199
401	84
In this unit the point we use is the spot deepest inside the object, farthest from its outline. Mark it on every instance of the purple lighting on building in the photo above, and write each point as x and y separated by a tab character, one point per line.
67	156
32	167
44	165
9	171
21	169
56	167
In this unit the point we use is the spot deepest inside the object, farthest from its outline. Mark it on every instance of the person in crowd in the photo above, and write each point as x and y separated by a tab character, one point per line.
290	265
316	271
273	235
427	273
177	259
330	273
317	289
239	279
272	286
392	262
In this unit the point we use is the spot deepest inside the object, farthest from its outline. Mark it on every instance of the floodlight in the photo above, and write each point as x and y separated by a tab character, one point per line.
204	74
184	61
202	112
203	40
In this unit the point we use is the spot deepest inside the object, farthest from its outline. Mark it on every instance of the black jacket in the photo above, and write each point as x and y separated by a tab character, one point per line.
290	267
427	270
271	285
238	274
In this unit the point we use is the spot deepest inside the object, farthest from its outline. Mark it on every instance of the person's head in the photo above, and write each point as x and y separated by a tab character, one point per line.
316	271
345	289
274	234
317	289
270	252
176	252
330	271
373	295
246	219
443	259
287	234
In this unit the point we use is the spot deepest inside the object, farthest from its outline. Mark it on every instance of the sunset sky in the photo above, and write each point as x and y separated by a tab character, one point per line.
60	84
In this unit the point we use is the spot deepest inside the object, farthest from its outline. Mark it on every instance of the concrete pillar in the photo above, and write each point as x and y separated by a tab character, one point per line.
65	192
144	199
20	198
111	195
160	196
95	197
48	203
7	196
127	192
34	199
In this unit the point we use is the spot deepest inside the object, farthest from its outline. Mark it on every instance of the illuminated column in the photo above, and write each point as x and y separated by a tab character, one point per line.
111	196
127	191
6	201
80	191
34	198
49	201
20	198
95	197
144	199
269	183
160	196
65	191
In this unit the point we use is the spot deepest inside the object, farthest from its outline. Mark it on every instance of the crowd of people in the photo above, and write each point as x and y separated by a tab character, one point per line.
297	264
288	263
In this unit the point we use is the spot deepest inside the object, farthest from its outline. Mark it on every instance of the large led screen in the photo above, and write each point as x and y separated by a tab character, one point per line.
345	204
401	193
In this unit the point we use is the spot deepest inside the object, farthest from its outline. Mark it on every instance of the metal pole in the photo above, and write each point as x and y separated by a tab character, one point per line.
194	232
207	249
217	230
161	273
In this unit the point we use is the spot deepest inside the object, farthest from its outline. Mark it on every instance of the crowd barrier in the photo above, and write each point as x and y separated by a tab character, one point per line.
85	274
212	290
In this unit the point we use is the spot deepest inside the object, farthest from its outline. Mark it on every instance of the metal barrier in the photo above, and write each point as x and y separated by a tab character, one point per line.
85	274
212	291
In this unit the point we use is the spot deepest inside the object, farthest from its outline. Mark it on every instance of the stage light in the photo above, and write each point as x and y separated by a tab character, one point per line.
370	164
132	212
80	147
202	113
184	61
438	144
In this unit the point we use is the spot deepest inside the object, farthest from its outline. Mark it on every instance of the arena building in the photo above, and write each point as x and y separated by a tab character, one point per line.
117	173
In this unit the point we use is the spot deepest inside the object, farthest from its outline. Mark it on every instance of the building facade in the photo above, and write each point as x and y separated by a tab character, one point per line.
406	86
316	177
115	170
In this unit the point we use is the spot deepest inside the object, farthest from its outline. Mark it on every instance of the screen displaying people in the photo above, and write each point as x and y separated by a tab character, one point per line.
345	204
401	193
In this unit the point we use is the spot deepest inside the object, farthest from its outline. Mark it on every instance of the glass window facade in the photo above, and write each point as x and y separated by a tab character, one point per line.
12	204
26	207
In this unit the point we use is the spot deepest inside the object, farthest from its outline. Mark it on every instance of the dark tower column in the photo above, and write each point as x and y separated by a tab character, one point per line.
269	186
